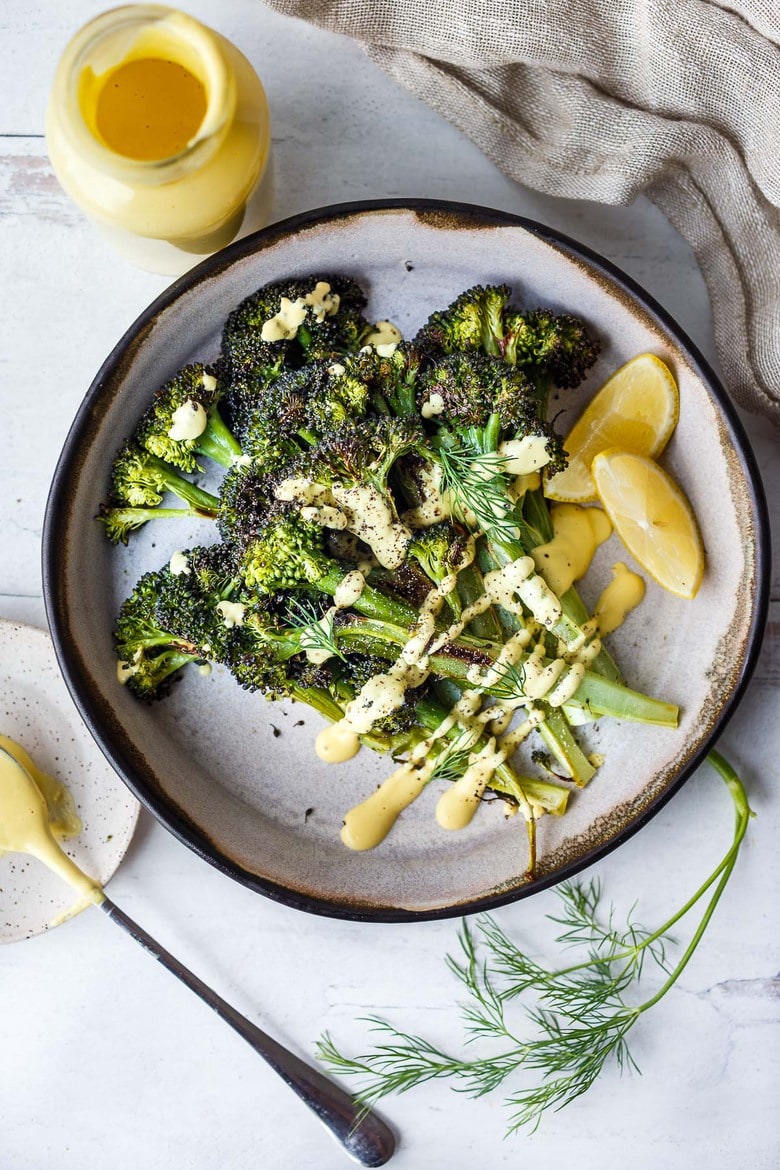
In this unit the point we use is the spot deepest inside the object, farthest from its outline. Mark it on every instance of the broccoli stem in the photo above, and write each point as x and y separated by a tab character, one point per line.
599	695
471	587
119	522
217	442
557	735
602	696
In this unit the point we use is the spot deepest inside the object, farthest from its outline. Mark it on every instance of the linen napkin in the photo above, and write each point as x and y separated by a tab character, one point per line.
605	99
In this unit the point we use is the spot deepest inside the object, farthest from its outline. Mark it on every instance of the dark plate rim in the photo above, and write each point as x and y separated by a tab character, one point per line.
56	510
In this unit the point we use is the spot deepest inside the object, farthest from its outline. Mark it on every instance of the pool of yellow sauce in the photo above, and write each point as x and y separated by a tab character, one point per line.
36	812
149	108
578	533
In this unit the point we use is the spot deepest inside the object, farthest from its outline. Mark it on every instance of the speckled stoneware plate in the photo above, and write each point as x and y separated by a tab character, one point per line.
237	778
37	711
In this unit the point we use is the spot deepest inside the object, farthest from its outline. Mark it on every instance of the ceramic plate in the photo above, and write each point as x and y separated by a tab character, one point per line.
237	778
36	710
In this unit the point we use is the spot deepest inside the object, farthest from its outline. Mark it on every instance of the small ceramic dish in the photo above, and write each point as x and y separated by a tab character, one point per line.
237	778
36	711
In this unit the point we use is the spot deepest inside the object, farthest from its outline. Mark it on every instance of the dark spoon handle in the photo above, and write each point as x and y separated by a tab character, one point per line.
372	1143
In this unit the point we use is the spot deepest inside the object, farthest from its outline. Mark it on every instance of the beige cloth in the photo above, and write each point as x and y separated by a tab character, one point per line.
604	99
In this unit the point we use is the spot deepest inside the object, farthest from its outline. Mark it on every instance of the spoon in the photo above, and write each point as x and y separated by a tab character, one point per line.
24	828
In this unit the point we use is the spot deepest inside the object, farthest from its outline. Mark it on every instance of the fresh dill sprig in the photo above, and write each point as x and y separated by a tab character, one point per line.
453	760
579	1016
317	633
506	682
477	482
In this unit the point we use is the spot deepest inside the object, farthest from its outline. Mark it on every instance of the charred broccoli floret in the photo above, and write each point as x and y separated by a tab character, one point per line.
184	422
299	408
246	502
473	321
361	453
294	321
466	389
558	345
439	551
479	402
149	656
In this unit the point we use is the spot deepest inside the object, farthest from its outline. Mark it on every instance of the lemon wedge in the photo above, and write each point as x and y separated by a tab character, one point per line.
636	410
652	517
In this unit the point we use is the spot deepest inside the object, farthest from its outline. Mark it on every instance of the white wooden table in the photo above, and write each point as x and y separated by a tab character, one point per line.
106	1060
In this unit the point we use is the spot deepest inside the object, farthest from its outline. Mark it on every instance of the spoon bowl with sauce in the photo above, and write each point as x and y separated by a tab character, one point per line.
27	798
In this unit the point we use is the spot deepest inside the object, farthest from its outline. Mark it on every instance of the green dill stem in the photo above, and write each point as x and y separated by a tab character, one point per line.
743	814
722	870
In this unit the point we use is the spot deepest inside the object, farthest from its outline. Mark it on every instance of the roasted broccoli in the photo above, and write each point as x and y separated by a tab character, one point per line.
184	422
376	513
139	481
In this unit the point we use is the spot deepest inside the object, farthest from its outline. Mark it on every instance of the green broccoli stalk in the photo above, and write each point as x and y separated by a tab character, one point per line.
121	521
138	483
183	422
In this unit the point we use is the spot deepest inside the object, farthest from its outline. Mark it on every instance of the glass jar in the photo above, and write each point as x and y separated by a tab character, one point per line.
158	129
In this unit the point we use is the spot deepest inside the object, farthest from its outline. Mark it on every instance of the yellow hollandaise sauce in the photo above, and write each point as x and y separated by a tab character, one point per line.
149	108
36	812
159	129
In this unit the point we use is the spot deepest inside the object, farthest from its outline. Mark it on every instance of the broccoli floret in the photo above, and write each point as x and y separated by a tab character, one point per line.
354	463
246	502
473	321
287	553
439	550
138	478
475	402
190	603
390	380
361	452
301	406
359	669
148	655
336	395
277	432
188	405
558	345
465	389
138	482
120	521
291	322
195	614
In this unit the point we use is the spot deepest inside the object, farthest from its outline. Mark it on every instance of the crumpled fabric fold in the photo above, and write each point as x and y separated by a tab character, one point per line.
675	99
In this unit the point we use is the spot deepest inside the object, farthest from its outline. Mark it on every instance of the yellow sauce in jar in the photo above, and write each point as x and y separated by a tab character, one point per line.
158	128
149	108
